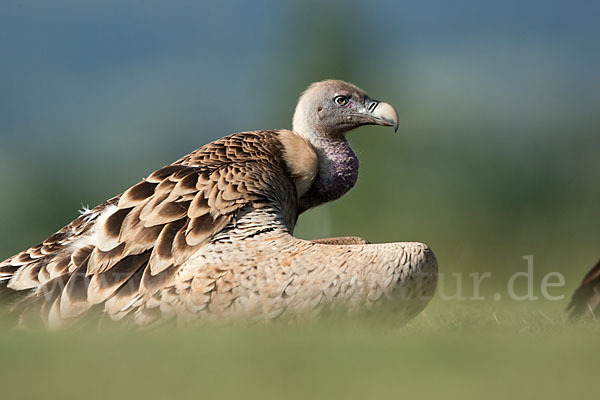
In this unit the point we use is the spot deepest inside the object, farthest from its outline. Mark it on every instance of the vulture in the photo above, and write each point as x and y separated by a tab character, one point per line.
210	236
586	298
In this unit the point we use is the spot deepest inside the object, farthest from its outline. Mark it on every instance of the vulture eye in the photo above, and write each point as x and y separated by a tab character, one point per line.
341	101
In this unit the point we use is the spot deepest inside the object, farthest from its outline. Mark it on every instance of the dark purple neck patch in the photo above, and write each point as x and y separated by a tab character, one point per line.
338	172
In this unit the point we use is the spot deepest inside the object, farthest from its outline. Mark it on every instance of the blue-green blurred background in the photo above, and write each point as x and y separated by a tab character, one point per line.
496	157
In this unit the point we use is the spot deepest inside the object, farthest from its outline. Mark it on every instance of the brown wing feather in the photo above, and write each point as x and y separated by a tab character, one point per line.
586	299
132	246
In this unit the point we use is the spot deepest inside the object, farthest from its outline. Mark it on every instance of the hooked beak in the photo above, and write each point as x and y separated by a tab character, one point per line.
381	113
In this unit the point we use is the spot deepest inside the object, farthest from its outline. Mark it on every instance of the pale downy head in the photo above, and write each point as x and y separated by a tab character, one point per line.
330	108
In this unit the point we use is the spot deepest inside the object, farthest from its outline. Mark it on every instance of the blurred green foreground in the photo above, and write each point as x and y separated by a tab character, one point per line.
454	351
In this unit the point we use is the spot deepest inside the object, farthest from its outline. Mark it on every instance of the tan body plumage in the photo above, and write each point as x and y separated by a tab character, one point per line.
210	237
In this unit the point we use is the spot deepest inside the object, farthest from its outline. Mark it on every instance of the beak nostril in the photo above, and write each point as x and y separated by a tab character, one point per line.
372	106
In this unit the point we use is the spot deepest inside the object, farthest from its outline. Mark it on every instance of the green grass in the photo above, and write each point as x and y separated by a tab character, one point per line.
453	350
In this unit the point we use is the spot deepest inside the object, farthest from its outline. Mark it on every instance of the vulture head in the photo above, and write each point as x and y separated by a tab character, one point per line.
330	108
326	111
